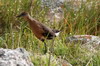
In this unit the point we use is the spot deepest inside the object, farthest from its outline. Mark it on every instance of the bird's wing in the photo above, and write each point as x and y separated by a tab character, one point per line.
47	32
55	31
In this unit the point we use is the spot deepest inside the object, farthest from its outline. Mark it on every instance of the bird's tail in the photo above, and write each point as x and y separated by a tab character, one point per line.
57	32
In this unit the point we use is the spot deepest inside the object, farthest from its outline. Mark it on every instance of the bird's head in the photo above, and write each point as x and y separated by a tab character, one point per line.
23	14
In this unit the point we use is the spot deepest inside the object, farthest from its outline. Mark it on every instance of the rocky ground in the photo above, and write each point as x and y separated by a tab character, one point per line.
14	57
20	57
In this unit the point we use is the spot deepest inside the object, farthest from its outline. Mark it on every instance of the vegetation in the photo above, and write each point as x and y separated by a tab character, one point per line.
15	32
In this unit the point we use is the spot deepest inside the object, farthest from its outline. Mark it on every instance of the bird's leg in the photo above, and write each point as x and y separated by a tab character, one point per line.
45	46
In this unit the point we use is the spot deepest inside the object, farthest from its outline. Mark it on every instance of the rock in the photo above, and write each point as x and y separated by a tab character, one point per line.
90	42
56	12
14	57
84	39
72	4
55	15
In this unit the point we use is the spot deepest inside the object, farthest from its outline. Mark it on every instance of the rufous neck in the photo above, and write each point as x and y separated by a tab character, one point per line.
28	17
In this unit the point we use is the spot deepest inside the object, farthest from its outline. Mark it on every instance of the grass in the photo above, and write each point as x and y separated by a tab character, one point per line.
15	32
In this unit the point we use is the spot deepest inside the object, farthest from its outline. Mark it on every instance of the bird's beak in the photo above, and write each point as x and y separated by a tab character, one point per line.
22	14
19	15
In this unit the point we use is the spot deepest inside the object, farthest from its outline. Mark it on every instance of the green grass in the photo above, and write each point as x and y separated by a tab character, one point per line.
15	32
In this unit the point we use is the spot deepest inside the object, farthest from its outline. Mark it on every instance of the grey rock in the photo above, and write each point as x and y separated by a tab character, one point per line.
57	3
55	15
89	39
90	42
56	12
1	52
14	57
2	63
74	39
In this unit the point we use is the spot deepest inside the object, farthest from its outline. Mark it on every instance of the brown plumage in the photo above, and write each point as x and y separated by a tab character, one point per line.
41	31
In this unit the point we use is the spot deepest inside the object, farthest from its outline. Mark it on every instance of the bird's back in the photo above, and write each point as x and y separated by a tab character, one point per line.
41	31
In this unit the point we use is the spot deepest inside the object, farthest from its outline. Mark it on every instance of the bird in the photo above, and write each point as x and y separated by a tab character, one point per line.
41	31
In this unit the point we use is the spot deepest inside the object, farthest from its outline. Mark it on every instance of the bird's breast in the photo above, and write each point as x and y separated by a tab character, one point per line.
36	29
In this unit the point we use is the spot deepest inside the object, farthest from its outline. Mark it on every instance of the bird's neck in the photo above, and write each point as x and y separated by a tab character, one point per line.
32	22
29	18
